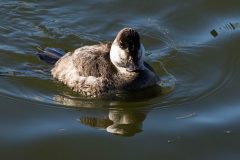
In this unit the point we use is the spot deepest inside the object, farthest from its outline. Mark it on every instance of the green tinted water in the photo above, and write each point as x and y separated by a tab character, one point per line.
192	44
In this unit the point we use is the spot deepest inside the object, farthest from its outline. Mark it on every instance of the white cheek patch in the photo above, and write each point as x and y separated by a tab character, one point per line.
117	55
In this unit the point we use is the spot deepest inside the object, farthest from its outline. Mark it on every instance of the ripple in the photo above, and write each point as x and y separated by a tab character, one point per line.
192	63
180	84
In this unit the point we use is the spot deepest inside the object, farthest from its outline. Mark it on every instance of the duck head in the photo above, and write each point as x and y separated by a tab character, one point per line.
127	51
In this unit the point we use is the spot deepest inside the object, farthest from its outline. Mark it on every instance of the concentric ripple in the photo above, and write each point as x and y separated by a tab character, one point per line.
191	67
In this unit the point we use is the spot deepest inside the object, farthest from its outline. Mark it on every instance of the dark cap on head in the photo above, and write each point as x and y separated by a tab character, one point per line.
129	38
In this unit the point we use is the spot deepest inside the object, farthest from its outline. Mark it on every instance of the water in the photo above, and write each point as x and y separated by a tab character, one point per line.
193	45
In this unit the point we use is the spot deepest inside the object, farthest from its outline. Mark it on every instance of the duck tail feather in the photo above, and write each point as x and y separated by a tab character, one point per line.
50	55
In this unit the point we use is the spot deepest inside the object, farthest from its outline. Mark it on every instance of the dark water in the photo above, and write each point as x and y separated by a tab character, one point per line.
194	46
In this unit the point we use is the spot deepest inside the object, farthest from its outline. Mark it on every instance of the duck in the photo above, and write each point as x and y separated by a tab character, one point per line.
105	68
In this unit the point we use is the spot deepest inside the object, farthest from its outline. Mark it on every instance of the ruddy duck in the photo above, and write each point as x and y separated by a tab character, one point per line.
104	68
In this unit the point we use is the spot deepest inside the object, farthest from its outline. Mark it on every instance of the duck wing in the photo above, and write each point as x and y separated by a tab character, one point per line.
93	61
85	61
86	69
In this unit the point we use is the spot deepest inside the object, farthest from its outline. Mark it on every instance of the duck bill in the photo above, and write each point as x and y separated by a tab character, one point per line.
132	67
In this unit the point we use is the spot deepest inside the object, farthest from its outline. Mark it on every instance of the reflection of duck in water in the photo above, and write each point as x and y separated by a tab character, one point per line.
123	123
104	68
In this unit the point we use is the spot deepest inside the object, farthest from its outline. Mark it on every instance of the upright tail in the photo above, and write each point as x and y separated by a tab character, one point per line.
50	55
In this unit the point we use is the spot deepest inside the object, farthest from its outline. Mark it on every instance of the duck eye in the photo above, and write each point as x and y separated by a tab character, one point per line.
121	44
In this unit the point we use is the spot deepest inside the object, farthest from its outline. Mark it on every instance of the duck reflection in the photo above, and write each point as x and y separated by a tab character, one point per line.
118	122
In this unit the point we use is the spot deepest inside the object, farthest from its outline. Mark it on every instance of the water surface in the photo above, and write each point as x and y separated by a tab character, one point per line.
193	45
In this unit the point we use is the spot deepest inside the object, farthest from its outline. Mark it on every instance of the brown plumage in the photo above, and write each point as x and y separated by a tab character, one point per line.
106	68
